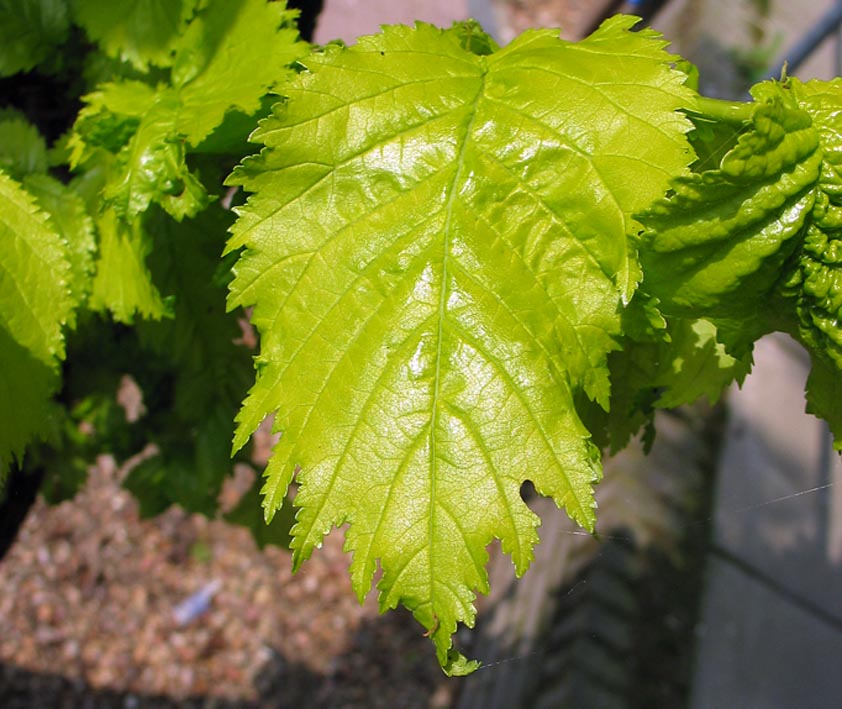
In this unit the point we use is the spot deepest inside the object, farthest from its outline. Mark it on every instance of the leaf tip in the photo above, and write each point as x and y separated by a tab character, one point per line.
457	665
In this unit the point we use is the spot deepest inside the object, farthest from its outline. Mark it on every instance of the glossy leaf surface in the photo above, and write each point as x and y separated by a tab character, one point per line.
437	254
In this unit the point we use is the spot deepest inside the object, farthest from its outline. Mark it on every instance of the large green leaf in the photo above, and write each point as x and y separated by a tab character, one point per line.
437	254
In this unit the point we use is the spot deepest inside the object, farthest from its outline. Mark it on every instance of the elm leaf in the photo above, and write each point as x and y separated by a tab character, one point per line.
35	304
437	254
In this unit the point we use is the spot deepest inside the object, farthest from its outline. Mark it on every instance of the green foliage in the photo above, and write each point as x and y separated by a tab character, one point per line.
469	266
141	32
133	237
718	241
30	32
22	149
816	283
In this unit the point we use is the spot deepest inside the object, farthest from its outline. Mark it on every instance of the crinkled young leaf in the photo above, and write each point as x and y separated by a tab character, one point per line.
121	280
756	243
437	254
817	282
717	243
139	125
142	32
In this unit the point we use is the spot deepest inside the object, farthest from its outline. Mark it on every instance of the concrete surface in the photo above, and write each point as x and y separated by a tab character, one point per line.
759	650
770	634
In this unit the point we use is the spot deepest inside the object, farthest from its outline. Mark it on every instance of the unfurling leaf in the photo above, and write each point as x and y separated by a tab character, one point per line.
755	241
717	243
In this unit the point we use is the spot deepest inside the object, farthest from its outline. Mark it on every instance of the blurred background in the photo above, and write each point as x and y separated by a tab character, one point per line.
716	580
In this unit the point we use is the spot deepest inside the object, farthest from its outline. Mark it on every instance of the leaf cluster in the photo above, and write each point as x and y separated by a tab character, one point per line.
474	266
113	281
469	267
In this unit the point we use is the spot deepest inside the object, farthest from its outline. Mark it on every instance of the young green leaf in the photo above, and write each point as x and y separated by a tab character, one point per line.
30	31
817	283
23	156
228	58
122	283
22	149
687	362
231	55
35	300
717	243
755	243
71	220
437	254
142	32
35	303
138	125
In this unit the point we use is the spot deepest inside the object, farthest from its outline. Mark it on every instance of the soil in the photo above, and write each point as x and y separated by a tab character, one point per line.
87	600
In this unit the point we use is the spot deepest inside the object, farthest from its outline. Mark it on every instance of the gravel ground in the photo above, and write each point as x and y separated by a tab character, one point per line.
87	596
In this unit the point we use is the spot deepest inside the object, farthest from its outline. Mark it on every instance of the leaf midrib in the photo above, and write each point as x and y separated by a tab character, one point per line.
442	311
